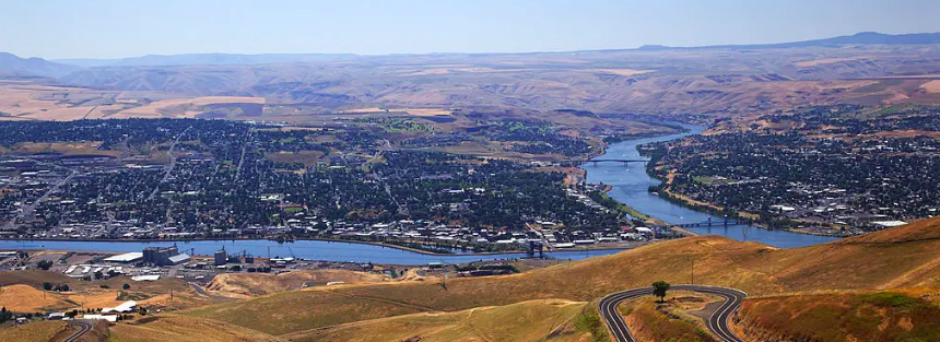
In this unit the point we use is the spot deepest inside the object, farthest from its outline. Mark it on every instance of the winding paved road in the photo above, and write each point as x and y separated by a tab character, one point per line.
84	326
199	289
717	323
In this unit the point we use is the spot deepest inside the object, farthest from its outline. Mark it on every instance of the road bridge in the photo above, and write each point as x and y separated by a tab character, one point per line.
622	161
710	223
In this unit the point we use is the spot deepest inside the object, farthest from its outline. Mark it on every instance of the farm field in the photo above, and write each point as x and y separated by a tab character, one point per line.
59	103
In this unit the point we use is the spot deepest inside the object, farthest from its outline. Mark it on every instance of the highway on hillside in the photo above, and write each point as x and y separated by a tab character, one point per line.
84	326
202	291
199	289
717	323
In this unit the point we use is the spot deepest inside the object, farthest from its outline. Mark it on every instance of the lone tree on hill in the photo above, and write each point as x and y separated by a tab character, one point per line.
659	290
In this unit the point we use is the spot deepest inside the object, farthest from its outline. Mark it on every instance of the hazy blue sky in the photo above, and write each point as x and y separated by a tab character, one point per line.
126	28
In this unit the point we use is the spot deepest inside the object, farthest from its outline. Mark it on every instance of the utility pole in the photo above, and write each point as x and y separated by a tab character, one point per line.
693	270
444	276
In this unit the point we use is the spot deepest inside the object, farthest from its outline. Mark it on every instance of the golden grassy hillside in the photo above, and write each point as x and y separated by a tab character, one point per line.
293	311
24	298
264	283
34	332
21	291
33	278
36	278
923	230
869	262
184	329
883	316
541	320
649	320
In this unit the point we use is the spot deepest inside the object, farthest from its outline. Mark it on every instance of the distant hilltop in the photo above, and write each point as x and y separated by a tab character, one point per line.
13	65
202	59
863	38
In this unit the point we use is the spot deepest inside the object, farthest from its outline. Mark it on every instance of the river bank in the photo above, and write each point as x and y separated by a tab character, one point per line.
306	249
667	192
602	145
358	242
248	238
630	185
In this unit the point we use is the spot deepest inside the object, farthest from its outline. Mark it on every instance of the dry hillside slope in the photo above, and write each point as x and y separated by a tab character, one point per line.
543	320
35	332
904	256
883	316
184	329
263	283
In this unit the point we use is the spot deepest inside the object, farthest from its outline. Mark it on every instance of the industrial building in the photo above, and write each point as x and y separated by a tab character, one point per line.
220	257
125	258
164	256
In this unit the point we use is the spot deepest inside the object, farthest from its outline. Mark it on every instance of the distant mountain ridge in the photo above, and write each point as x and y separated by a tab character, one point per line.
202	59
11	65
863	38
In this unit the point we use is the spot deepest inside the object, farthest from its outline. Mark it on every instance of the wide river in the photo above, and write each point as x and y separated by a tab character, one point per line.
307	249
630	186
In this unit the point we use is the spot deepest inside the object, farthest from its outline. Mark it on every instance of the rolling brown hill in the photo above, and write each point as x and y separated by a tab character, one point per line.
881	316
894	258
541	320
715	80
35	332
263	283
184	329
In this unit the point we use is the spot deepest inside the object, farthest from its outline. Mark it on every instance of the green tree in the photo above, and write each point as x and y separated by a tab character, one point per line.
45	265
47	286
590	322
659	290
126	287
